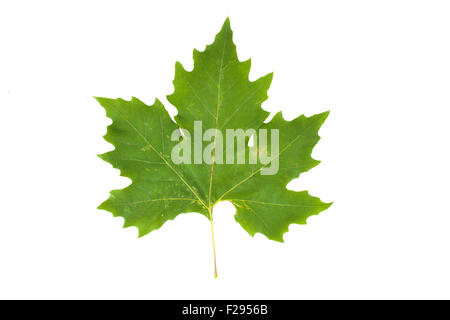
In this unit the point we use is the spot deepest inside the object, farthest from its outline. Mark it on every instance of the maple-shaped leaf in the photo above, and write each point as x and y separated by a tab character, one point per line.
218	95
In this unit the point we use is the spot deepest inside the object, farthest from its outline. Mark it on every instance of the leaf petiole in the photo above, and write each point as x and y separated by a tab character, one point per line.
213	242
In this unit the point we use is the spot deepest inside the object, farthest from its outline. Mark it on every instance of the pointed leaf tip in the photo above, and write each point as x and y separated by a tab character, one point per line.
322	116
226	27
226	23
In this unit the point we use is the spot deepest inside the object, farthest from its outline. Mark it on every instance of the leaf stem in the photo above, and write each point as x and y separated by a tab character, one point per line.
213	243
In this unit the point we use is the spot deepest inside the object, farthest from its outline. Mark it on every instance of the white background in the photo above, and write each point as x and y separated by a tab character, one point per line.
381	67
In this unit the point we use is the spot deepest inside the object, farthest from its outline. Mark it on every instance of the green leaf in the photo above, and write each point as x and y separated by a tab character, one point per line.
217	92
